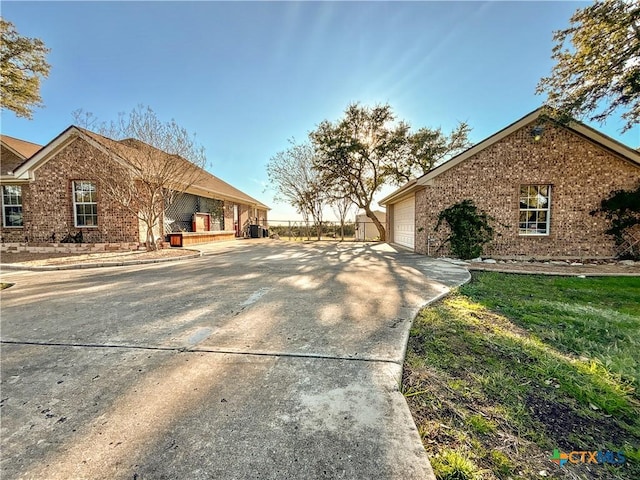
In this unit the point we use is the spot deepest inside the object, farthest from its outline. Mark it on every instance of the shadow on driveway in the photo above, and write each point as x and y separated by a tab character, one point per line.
275	361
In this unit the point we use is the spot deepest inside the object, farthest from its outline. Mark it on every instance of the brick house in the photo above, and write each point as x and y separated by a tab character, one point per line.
51	191
538	179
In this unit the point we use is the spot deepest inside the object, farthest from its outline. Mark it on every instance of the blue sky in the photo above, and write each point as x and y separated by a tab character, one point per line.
247	76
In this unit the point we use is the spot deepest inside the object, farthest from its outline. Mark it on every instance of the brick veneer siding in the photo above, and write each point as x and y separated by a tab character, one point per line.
580	172
228	216
9	160
262	217
244	216
48	200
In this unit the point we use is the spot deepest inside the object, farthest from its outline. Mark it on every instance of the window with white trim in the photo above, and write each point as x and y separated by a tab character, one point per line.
85	205
12	206
535	203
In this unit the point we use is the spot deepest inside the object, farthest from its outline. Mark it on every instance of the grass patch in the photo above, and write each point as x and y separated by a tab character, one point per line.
511	367
4	285
452	465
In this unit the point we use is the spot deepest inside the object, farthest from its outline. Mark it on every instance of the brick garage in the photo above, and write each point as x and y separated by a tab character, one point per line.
573	168
45	178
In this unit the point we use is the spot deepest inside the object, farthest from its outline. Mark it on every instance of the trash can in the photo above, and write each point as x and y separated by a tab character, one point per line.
255	231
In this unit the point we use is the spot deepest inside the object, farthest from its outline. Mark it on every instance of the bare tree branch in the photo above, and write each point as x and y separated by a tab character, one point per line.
159	161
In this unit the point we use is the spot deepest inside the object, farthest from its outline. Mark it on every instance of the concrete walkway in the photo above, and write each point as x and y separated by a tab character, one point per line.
270	360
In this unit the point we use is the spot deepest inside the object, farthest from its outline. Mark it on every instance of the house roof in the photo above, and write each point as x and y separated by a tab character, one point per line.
362	216
580	128
20	148
133	153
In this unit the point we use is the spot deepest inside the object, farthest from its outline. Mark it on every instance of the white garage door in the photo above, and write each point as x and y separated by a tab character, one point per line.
404	222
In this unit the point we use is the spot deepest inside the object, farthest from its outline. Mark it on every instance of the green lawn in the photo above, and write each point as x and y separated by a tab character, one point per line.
511	367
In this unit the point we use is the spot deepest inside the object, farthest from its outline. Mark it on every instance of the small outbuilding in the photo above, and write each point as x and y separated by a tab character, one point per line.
366	229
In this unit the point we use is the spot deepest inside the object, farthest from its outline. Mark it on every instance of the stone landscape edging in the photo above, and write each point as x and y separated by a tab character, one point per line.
556	273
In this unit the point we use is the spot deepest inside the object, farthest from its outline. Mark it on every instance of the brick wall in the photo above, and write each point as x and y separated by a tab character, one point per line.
228	216
580	172
48	201
262	217
9	160
244	215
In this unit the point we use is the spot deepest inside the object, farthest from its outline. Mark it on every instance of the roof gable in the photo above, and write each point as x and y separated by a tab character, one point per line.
22	148
14	153
133	154
581	129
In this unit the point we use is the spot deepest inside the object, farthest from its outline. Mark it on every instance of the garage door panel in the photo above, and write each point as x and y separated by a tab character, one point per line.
404	222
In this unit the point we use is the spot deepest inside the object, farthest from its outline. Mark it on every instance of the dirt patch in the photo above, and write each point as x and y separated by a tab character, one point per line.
45	259
559	420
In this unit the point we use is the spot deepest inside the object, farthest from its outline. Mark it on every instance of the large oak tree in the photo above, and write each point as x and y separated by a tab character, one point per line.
368	148
22	65
357	151
427	148
597	68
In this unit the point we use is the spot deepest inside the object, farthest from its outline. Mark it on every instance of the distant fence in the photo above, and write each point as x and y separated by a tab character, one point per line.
326	230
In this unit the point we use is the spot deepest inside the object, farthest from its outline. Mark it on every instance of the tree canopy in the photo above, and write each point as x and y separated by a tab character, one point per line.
356	153
22	65
292	174
597	68
425	149
369	148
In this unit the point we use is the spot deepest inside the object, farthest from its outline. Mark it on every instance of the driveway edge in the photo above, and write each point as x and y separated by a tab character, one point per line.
407	331
79	266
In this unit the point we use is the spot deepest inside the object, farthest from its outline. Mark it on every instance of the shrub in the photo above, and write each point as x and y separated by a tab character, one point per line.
470	229
622	209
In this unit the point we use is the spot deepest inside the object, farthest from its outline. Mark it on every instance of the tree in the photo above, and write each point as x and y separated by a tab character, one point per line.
622	210
341	205
296	181
427	148
162	161
600	71
22	65
357	151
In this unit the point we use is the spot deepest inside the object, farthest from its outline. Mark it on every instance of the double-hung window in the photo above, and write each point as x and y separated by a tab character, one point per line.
12	206
85	205
535	203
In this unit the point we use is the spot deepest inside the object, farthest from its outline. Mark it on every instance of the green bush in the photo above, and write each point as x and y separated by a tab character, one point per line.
470	229
622	209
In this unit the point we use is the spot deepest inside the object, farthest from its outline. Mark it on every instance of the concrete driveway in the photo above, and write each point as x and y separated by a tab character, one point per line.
269	361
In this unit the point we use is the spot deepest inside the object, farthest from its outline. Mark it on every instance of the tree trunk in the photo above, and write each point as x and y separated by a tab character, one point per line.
381	231
151	241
